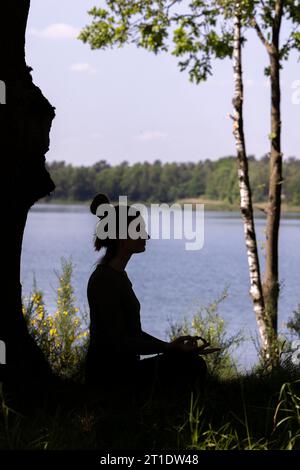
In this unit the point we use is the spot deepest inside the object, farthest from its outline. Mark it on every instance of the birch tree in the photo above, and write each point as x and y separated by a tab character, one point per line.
246	206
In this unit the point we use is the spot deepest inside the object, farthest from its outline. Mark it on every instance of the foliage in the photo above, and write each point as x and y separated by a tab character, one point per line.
292	349
208	324
158	182
60	336
196	31
294	322
191	31
284	348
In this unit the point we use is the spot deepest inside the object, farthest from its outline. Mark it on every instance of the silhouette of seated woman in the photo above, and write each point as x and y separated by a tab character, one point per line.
116	338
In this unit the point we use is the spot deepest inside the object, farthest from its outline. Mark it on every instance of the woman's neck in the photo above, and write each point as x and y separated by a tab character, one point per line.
119	263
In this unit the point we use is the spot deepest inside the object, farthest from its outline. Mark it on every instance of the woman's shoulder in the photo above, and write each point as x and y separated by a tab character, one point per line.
104	273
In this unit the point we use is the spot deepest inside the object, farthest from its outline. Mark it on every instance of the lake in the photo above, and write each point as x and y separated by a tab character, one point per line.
170	281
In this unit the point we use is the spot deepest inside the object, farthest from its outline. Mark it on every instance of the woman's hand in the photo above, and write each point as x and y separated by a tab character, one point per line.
185	344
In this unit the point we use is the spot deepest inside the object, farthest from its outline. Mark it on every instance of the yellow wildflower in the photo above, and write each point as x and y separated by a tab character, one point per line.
37	298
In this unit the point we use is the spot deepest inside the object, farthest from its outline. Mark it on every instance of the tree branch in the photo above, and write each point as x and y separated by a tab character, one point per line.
171	4
261	36
265	7
277	22
290	39
278	10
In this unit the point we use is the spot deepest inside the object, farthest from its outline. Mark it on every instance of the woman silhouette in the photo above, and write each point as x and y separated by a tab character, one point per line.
116	337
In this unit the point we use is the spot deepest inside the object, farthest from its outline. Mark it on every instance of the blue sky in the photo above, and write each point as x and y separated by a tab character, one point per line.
128	104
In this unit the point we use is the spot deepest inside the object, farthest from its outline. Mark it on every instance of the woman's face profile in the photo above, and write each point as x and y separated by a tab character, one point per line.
137	245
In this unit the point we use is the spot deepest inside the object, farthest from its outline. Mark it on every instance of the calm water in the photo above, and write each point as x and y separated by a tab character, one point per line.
169	281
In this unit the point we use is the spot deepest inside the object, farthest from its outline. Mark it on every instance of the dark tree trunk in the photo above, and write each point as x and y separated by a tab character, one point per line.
271	278
25	122
271	281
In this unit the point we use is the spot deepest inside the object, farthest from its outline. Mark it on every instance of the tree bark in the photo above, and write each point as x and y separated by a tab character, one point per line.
256	291
25	122
271	281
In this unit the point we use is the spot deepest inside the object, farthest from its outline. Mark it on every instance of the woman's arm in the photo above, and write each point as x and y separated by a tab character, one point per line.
144	345
153	339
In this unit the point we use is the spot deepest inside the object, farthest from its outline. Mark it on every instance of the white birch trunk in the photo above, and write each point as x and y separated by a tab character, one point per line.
256	291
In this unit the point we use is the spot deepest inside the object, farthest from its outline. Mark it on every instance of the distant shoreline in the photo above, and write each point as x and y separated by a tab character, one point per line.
213	205
210	204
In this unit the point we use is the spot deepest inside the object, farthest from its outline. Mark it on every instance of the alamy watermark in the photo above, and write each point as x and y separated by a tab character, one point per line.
296	93
2	92
165	221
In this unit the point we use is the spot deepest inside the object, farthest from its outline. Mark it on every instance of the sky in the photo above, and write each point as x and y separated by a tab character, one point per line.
129	104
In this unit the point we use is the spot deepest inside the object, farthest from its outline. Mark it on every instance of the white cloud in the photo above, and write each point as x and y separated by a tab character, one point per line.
151	135
56	31
83	67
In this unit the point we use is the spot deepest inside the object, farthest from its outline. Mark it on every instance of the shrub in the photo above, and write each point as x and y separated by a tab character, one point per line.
61	336
294	322
209	324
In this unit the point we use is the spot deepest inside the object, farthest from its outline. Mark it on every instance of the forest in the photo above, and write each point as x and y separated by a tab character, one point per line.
167	182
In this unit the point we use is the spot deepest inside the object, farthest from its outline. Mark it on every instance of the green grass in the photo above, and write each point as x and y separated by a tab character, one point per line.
252	412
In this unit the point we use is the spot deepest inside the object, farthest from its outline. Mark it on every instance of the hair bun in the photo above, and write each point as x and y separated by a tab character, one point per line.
97	201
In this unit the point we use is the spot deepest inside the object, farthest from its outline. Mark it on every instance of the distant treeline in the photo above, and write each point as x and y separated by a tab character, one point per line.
166	182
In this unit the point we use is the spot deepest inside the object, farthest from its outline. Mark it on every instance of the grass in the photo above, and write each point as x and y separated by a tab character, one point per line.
248	412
